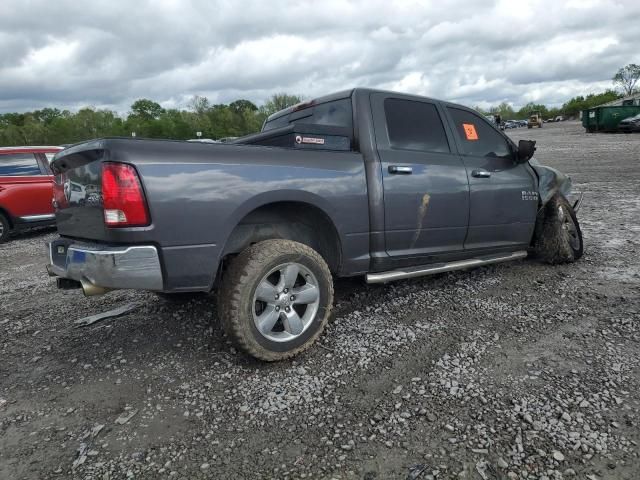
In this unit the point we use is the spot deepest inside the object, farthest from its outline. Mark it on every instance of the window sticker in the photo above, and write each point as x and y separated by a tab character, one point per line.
470	131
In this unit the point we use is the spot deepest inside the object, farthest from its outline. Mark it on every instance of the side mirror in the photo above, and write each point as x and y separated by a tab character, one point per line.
526	148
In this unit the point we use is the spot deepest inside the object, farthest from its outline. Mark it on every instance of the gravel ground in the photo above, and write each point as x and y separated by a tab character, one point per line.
515	371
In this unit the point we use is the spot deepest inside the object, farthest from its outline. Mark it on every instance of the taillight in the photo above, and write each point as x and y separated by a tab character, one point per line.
122	197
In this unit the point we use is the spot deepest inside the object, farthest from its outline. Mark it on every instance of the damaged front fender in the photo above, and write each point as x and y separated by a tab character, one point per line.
550	182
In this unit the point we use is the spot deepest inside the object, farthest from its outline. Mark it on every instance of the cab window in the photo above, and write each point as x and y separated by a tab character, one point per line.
413	125
337	113
477	137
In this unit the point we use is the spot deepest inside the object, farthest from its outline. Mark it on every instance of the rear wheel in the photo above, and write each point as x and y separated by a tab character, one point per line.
558	234
4	228
275	299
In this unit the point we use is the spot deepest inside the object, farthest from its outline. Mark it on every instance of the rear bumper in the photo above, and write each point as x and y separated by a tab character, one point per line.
136	266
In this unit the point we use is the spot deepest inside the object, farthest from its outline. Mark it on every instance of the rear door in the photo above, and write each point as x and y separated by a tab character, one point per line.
426	199
503	194
26	188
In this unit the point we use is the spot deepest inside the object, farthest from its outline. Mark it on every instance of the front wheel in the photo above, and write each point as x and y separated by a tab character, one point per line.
558	235
275	299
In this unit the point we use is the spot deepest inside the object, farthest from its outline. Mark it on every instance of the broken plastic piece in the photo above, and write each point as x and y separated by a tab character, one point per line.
116	312
126	416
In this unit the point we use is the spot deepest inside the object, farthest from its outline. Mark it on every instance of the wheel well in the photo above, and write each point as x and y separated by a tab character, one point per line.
7	216
301	222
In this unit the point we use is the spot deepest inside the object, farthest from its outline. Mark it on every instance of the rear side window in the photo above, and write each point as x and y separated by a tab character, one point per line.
478	138
337	114
414	126
19	164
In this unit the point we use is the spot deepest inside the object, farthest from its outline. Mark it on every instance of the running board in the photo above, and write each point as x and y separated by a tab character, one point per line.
384	277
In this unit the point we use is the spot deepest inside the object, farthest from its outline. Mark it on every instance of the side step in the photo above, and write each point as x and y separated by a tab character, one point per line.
384	277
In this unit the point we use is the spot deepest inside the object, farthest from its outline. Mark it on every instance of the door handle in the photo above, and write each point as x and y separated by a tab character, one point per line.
480	173
400	170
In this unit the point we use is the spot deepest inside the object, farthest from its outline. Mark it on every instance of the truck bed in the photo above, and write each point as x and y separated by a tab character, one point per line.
183	180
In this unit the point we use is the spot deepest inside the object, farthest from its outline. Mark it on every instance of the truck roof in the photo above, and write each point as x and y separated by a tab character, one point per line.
337	96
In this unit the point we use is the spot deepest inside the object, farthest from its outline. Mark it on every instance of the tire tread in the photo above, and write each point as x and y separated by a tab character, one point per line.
243	269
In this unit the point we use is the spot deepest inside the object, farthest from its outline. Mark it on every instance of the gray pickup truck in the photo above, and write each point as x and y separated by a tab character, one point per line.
362	182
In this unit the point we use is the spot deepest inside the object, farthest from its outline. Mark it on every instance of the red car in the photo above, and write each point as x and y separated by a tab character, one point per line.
26	188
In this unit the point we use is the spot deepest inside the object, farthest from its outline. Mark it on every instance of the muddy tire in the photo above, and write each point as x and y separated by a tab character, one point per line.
4	228
275	299
558	237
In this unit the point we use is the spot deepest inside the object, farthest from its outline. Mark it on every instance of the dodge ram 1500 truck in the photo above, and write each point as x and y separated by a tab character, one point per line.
361	182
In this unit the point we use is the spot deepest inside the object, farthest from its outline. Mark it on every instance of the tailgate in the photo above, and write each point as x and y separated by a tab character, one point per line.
77	191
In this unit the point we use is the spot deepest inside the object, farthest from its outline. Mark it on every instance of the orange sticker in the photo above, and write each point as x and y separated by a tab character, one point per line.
470	131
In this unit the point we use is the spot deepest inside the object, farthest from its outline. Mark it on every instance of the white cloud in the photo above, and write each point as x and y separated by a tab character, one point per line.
108	53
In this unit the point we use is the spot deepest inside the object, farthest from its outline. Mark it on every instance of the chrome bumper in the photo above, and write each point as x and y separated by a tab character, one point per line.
113	267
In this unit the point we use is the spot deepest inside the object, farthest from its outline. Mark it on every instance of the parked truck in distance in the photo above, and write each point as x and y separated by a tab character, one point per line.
535	120
358	183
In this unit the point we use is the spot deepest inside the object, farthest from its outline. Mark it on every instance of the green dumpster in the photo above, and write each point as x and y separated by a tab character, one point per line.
606	119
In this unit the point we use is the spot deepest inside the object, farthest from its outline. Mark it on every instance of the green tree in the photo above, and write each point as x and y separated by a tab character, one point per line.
505	111
241	105
626	78
531	108
279	101
574	106
146	109
199	104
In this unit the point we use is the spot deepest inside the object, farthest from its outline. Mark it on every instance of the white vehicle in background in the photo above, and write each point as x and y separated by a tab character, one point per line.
203	140
75	192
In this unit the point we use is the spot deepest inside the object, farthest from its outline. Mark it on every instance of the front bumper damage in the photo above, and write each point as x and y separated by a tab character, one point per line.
99	268
552	181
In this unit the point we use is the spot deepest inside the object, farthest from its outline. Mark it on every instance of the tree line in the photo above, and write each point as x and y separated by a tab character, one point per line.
146	118
625	81
51	126
570	109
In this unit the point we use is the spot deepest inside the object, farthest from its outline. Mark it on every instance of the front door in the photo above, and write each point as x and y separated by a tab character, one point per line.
503	194
426	196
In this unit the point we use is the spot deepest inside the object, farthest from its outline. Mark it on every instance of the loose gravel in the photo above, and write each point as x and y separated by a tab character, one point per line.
514	371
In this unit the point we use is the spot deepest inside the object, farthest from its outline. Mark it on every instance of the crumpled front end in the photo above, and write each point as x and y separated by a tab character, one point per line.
550	181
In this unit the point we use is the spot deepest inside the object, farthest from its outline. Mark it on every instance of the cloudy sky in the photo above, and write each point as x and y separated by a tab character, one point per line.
106	54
